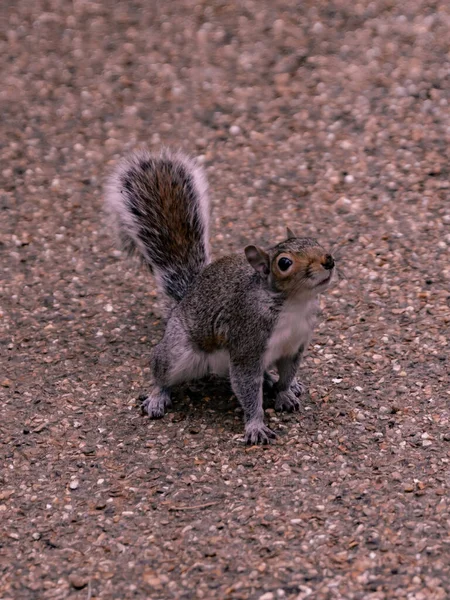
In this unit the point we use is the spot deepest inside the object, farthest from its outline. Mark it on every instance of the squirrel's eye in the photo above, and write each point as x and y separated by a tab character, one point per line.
284	263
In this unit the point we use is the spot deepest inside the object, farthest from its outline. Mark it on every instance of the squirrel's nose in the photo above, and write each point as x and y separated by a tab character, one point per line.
328	263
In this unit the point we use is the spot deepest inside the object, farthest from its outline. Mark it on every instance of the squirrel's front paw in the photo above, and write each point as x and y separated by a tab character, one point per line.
258	433
287	401
156	403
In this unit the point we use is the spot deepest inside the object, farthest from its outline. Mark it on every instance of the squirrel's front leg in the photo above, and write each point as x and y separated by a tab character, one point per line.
287	388
247	381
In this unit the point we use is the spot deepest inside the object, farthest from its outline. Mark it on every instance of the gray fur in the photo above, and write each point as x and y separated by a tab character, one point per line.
234	316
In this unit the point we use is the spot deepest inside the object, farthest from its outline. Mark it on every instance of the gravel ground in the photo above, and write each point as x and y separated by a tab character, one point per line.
329	117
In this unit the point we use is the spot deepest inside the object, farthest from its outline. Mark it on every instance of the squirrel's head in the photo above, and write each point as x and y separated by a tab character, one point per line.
296	266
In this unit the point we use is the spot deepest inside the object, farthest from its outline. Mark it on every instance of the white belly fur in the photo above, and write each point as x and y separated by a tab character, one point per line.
293	329
195	365
219	362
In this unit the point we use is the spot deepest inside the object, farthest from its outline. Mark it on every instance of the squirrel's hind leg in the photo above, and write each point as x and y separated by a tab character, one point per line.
156	403
174	361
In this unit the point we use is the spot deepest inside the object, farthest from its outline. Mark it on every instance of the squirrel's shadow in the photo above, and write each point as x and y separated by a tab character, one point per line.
212	397
218	390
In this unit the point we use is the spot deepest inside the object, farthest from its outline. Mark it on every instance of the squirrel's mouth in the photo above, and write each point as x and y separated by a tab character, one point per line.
325	281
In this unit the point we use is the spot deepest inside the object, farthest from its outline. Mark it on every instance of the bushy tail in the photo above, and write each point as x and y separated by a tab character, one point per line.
160	209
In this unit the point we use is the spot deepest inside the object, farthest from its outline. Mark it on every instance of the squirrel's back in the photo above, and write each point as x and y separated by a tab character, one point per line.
160	209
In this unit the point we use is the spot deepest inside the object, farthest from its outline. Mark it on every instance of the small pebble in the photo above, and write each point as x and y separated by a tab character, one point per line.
77	581
343	204
267	596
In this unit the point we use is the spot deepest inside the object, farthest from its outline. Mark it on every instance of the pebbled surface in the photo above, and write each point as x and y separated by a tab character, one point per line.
331	118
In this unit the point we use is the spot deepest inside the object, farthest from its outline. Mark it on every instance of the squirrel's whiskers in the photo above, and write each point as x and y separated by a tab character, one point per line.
338	247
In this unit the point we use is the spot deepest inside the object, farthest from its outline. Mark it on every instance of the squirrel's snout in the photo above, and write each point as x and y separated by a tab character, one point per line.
328	263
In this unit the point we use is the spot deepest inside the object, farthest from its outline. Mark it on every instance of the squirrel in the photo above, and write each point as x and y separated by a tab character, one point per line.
239	315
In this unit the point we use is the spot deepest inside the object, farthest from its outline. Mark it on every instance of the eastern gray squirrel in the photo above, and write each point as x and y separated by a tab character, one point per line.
237	316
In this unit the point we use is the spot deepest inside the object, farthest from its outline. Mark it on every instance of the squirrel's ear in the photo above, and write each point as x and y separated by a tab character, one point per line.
258	259
290	234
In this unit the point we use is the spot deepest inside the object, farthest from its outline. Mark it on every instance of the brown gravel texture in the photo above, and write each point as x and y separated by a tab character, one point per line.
330	117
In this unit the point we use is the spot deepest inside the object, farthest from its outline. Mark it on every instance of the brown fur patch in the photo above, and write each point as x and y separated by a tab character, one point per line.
212	343
305	264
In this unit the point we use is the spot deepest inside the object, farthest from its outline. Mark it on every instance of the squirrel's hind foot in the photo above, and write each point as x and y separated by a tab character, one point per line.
287	401
298	387
156	403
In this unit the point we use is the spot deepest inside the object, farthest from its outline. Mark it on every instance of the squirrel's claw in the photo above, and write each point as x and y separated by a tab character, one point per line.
156	403
287	401
298	387
258	433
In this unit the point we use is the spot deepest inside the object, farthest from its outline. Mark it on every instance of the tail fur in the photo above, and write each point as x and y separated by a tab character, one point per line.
160	209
